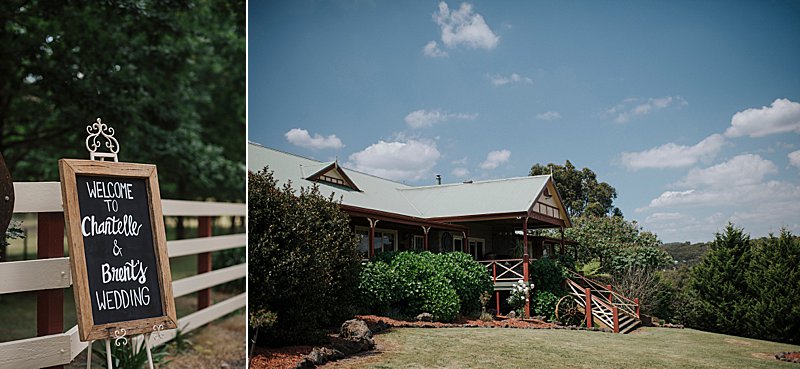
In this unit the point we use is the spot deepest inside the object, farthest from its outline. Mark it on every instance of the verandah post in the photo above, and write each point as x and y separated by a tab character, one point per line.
372	224
494	282
425	230
204	229
588	292
525	261
50	303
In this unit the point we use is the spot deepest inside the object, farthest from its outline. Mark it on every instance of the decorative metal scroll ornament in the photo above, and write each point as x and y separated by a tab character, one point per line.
159	328
100	134
119	335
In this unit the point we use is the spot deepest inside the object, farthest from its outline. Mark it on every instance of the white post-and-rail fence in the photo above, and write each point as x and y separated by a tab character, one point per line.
50	274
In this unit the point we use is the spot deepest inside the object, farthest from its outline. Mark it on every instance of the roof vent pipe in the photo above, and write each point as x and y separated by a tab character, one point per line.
438	179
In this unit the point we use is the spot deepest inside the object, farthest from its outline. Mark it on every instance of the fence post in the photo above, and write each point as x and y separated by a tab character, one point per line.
204	225
636	301
616	319
610	294
588	296
50	303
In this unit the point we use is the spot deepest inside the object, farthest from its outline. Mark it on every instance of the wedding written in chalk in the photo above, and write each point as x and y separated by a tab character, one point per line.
119	268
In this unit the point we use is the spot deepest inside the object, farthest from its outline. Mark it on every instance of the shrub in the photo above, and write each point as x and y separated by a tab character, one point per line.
519	294
469	278
424	286
547	274
413	282
303	261
544	304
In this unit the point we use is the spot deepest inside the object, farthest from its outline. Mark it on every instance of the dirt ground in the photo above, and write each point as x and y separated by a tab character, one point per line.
220	344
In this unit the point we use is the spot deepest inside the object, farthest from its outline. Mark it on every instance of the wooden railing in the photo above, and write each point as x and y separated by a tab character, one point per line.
50	274
504	270
599	303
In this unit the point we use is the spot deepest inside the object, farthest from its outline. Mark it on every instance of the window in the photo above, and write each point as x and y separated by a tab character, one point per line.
458	243
446	244
476	247
385	240
418	243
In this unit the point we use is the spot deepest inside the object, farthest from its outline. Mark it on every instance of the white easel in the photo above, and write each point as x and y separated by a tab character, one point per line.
93	143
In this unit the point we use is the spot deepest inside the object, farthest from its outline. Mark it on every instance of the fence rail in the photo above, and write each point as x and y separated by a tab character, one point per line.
50	274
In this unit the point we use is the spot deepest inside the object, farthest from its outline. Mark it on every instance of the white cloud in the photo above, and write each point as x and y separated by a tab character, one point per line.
781	117
500	80
671	155
426	118
300	137
463	27
794	158
742	169
462	161
737	182
432	49
398	160
495	158
549	115
460	172
636	107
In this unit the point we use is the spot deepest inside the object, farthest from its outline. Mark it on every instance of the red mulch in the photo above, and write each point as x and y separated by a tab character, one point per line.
278	357
461	322
288	357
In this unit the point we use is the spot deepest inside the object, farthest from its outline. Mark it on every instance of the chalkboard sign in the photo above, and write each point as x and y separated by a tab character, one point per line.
117	247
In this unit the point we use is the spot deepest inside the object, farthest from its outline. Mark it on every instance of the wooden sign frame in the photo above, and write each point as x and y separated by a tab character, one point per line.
69	170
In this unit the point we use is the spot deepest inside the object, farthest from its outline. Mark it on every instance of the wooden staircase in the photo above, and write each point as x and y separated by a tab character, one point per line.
608	308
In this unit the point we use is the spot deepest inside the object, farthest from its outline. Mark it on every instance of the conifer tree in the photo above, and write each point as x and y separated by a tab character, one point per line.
718	286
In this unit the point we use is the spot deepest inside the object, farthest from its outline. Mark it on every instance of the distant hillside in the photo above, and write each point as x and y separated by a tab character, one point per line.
686	253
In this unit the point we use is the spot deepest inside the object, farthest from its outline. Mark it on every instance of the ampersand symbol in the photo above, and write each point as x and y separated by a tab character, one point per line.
117	250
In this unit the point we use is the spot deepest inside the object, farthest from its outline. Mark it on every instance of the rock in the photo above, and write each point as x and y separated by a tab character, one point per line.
355	329
424	317
512	314
322	355
305	364
224	366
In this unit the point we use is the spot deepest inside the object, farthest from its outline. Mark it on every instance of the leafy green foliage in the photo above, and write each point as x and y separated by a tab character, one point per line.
129	357
544	304
617	243
774	281
303	262
469	278
414	282
685	252
747	288
169	76
580	191
547	275
718	284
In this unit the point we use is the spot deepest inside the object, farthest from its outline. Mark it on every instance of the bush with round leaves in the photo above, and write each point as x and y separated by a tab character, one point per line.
414	282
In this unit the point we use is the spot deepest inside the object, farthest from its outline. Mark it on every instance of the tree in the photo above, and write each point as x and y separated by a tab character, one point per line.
718	287
303	261
167	75
774	280
618	244
579	190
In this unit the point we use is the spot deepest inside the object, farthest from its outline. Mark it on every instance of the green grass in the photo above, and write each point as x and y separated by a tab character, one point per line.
517	348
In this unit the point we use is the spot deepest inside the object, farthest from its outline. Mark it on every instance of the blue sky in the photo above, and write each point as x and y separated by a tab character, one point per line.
691	110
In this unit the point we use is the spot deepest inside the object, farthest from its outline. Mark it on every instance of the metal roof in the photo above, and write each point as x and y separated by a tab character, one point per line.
511	195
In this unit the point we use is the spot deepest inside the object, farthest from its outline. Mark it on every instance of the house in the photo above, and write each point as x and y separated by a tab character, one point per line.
488	219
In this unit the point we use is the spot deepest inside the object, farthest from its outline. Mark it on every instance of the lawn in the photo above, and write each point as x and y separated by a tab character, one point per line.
517	348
